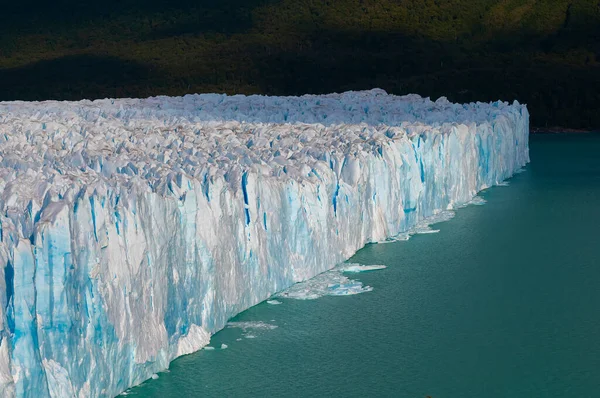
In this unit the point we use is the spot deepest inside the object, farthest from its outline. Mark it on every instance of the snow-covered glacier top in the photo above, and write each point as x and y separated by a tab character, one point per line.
372	107
133	229
52	149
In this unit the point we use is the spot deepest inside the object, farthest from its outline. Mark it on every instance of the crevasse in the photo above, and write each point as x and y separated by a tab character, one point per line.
131	229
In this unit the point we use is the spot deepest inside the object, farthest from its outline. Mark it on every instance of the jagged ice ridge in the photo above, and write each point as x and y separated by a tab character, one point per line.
133	229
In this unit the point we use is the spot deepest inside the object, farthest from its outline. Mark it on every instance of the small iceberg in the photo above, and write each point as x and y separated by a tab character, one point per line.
425	229
354	268
273	302
401	237
252	325
331	283
251	329
477	201
424	226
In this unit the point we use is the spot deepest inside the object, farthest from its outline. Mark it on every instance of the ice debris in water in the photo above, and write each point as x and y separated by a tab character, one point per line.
401	237
423	226
477	201
224	346
273	302
354	268
251	325
146	224
251	329
154	376
330	283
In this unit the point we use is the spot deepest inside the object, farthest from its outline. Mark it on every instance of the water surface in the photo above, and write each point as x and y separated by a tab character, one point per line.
502	302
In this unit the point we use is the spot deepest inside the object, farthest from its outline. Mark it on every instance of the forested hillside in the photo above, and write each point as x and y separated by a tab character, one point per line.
545	53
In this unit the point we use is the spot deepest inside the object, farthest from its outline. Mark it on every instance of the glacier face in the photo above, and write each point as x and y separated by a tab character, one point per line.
132	229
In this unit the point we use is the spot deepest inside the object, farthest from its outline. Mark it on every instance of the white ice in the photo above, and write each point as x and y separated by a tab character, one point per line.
355	268
331	283
251	325
477	201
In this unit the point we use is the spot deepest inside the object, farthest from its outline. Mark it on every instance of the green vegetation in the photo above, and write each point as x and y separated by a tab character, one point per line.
545	53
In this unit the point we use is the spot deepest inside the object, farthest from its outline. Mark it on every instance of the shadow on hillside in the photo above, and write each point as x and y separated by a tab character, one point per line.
182	16
72	78
214	17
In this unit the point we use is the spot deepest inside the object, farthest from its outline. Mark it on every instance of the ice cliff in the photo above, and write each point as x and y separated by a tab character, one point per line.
132	230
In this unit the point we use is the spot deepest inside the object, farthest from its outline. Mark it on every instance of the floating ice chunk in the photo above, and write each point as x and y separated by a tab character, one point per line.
360	268
441	216
477	201
401	237
404	236
503	184
209	348
331	283
224	346
251	329
424	229
273	302
154	376
254	325
424	226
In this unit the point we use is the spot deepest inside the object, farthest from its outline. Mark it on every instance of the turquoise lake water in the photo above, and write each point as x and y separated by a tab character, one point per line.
502	302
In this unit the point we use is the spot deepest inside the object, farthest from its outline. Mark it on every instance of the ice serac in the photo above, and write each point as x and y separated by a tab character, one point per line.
133	229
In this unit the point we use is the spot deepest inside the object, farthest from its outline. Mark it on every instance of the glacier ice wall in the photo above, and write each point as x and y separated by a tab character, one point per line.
131	230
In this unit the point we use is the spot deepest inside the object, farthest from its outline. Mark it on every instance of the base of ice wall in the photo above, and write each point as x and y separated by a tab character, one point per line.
118	271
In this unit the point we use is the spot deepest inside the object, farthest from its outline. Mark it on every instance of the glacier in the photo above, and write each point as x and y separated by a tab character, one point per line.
133	229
